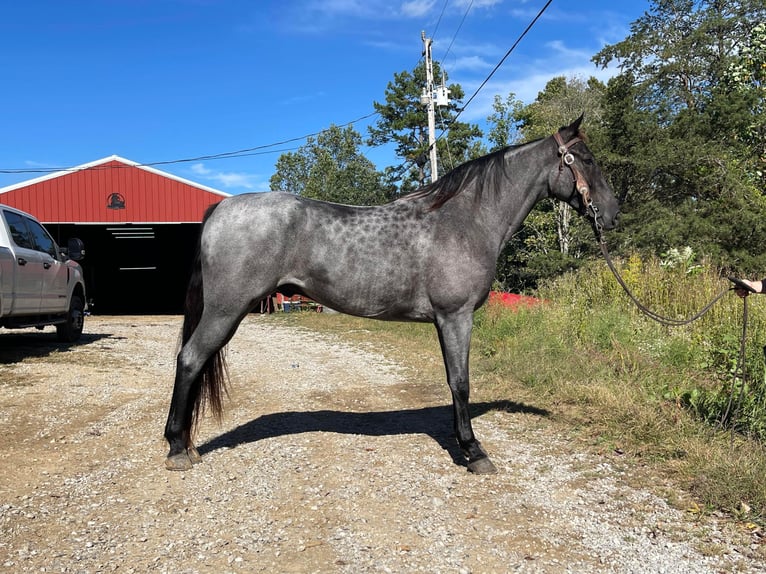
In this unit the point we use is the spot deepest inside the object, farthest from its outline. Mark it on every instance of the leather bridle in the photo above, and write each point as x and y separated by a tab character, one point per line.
580	183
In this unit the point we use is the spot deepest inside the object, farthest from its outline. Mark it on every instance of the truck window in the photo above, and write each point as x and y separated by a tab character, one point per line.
43	241
18	227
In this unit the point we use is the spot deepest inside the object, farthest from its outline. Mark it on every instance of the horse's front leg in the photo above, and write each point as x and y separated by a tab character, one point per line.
455	339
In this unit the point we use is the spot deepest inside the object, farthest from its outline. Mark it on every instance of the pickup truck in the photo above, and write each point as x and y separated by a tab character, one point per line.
40	283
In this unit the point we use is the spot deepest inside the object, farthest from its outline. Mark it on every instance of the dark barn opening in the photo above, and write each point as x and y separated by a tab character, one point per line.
134	268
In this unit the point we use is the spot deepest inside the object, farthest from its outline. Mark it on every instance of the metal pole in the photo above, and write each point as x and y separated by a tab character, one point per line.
429	91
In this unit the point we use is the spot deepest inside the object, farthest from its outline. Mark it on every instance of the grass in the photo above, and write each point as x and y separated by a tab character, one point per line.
617	380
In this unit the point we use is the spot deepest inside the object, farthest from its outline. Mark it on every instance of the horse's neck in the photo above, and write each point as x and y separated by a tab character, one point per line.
525	184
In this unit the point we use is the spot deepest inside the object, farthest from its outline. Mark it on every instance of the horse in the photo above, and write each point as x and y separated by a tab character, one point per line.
427	256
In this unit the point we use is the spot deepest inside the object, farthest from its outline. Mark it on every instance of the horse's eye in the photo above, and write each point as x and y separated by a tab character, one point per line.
588	161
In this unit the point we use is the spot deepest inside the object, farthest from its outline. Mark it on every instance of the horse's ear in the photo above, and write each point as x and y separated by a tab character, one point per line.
572	129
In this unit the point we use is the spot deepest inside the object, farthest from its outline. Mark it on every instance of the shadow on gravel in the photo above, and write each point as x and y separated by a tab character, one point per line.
435	422
18	345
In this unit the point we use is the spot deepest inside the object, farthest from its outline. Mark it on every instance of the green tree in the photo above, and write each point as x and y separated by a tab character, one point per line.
677	126
504	121
746	77
403	122
331	168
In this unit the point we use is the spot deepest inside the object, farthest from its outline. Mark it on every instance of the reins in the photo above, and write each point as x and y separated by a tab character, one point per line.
582	187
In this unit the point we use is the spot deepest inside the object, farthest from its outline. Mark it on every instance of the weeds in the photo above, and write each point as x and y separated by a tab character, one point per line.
700	361
666	394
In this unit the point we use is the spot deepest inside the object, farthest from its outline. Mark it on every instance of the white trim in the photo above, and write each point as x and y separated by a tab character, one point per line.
127	223
97	162
128	228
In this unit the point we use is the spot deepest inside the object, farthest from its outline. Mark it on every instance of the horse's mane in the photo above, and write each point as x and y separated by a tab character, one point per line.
486	173
474	173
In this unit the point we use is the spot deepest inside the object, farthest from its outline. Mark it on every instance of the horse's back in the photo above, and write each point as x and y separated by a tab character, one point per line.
364	261
389	261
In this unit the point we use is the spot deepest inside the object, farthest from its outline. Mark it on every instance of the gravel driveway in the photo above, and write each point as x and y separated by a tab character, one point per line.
331	458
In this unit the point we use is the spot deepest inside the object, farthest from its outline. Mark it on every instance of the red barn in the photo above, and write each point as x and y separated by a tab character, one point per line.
139	226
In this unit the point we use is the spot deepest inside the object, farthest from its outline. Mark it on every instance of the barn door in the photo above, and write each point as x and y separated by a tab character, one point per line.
134	263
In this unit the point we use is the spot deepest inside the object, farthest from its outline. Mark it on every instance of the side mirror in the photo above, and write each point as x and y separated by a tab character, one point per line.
75	249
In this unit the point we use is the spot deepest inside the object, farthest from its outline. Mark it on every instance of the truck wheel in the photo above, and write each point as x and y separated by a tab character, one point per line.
70	331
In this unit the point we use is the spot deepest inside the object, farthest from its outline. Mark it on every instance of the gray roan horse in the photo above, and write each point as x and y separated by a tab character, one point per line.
427	256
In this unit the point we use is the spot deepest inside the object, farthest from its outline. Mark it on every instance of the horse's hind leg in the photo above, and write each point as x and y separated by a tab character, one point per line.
455	338
210	336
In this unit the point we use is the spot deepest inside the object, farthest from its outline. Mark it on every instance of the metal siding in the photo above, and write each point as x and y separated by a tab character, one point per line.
81	208
61	205
82	197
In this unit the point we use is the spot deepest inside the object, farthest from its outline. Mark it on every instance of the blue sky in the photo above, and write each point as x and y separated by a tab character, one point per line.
166	80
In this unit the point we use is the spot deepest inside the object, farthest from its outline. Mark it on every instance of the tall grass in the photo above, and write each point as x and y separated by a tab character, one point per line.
668	395
699	362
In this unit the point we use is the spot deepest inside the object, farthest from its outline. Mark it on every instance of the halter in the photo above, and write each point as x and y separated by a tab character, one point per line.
581	185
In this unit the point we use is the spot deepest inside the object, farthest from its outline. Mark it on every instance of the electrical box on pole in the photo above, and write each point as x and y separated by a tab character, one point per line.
442	92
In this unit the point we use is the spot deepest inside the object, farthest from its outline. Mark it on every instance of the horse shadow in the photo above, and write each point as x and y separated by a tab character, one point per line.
435	422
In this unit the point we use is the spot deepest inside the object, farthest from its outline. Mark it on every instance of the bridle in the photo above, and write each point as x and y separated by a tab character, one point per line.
581	184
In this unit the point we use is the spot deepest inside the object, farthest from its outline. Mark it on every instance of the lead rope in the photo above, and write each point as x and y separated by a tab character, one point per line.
667	321
740	368
727	416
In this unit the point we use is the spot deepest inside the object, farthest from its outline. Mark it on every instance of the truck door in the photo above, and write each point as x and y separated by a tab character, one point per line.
55	273
28	272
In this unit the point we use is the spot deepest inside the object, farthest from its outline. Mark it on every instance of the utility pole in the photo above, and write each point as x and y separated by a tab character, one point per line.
427	99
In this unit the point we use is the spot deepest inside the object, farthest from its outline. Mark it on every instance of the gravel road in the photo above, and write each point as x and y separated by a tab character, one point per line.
331	458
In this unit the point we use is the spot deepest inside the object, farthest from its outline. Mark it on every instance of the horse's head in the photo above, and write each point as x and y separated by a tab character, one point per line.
577	180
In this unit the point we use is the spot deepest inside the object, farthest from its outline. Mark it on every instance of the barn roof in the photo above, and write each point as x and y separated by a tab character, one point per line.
112	190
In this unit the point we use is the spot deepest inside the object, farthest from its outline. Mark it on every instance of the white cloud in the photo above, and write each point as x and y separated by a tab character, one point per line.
325	10
230	181
527	73
563	53
469	63
525	86
303	98
322	12
200	169
416	8
37	164
343	7
461	5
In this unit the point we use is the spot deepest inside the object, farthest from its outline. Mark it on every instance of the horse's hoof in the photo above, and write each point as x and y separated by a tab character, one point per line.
482	466
180	461
194	455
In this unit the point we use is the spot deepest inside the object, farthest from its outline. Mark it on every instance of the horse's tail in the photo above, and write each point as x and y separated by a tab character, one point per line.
209	388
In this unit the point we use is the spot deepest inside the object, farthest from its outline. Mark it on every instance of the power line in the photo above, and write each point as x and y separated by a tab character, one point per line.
457	31
404	166
444	7
262	149
508	53
257	150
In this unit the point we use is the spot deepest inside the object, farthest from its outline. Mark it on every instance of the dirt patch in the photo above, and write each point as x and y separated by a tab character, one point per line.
331	458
